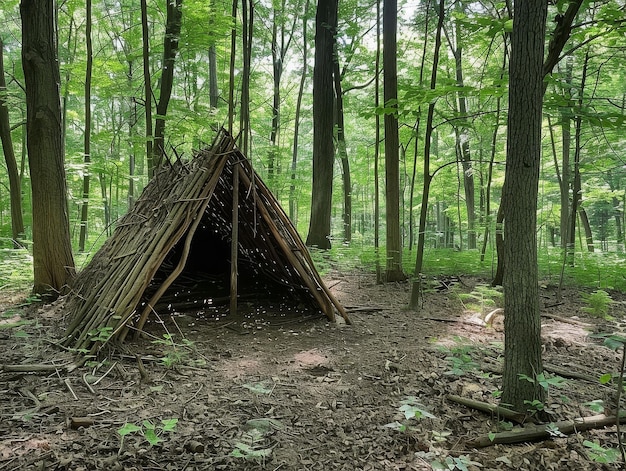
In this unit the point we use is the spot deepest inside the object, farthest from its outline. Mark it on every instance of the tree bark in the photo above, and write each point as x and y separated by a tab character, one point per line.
522	322
147	88
15	182
84	207
323	122
394	271
170	48
52	250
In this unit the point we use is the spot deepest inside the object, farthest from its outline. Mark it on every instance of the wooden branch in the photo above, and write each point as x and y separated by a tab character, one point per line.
500	412
543	431
32	368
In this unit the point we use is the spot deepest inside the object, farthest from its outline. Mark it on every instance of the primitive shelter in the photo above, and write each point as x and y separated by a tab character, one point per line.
182	223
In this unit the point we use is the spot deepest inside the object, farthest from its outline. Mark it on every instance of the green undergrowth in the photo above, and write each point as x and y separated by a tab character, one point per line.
594	270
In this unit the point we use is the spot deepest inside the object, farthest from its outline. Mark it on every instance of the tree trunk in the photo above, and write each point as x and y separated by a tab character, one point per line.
15	182
584	219
566	140
379	277
247	19
231	69
323	122
394	271
421	238
52	250
147	88
296	127
342	151
522	321
84	207
462	139
170	48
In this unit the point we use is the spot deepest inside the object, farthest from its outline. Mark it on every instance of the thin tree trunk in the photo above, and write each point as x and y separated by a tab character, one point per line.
421	238
296	129
416	129
84	211
247	18
147	87
213	88
462	139
15	182
170	48
231	69
379	277
342	151
566	142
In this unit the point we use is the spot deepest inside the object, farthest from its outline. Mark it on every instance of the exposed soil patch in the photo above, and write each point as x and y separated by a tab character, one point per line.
279	390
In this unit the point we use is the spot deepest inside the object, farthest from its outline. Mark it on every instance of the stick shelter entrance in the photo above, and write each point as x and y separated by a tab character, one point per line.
183	223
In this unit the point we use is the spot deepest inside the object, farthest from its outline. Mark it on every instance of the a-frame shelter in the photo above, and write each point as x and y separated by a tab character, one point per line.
185	215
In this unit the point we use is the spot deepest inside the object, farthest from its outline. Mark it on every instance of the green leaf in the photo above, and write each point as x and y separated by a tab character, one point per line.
492	436
128	428
605	378
168	425
151	437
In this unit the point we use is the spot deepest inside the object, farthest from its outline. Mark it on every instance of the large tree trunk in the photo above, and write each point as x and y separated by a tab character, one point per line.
522	321
170	48
52	250
323	122
15	182
394	271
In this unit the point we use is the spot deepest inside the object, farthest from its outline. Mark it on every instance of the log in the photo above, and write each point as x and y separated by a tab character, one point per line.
499	411
543	431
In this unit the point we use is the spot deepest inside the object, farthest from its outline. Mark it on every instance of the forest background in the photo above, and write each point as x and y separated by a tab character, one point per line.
254	75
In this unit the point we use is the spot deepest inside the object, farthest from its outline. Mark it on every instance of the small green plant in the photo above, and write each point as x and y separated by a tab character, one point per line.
460	359
598	303
150	432
174	353
101	334
412	409
481	298
599	454
544	381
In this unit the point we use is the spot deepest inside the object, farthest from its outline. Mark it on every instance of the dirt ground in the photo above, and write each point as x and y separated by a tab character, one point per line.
279	390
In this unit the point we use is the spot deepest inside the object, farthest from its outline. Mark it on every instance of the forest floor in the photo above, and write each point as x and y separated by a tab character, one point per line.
277	390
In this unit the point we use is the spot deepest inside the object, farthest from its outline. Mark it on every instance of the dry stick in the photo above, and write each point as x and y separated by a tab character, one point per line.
500	412
32	368
542	432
